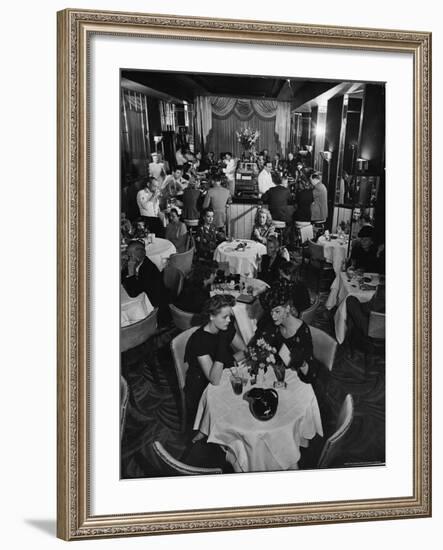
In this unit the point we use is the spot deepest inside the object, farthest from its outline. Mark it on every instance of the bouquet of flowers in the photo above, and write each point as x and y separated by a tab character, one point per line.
262	355
247	137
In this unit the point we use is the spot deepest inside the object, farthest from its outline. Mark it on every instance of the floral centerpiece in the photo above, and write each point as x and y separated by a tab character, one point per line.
262	356
247	138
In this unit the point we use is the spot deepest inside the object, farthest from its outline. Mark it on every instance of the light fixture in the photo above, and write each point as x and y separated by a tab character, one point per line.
362	164
326	155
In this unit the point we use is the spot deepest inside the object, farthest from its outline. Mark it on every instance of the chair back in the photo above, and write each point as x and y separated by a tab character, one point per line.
279	224
173	280
192	223
376	326
124	399
316	251
178	348
306	233
324	347
182	261
333	443
174	466
308	314
182	319
137	333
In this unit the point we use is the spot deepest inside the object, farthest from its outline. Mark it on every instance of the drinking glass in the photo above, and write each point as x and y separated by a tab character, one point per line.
236	383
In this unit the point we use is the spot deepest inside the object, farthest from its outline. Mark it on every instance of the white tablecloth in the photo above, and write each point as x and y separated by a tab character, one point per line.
342	288
242	262
334	251
253	445
133	309
159	251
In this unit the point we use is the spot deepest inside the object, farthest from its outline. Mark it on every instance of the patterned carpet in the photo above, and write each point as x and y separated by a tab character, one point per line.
153	412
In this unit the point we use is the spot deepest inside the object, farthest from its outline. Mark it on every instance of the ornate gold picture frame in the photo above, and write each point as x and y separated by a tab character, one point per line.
75	30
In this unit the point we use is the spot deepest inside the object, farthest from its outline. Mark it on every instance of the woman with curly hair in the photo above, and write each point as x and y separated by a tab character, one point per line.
208	350
289	335
263	226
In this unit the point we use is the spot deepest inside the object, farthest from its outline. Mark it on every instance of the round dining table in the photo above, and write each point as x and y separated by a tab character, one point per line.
159	251
342	287
335	251
253	445
241	260
134	309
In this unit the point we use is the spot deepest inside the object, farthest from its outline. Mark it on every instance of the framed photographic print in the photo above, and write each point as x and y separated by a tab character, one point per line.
244	274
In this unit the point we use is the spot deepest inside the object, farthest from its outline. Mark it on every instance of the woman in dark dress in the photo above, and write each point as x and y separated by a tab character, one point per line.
271	262
287	329
208	351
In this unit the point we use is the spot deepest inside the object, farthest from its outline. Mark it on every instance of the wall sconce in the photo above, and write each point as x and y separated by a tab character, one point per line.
157	140
308	148
326	155
362	164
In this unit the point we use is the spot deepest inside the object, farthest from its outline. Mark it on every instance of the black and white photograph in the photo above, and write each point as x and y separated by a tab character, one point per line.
252	287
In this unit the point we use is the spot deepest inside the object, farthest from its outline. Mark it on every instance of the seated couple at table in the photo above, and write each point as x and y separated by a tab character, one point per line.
209	350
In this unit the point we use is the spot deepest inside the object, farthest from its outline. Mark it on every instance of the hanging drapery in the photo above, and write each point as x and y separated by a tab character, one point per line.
209	109
203	119
283	124
223	137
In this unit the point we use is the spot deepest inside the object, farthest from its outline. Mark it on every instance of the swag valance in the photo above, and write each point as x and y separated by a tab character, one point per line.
244	109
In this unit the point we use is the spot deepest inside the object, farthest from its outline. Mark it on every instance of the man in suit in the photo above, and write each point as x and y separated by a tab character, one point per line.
139	274
278	198
277	164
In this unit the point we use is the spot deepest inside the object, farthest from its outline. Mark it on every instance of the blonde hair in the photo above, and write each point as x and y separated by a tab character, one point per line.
268	216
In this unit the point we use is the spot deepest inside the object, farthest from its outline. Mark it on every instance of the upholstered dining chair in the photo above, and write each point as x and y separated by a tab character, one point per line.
173	280
181	319
182	261
308	314
317	261
334	442
178	347
137	333
324	347
176	467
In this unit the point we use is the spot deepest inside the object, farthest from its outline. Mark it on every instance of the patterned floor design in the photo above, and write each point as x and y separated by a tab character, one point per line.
153	406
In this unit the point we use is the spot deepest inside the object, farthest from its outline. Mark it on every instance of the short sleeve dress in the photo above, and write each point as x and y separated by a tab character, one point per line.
201	343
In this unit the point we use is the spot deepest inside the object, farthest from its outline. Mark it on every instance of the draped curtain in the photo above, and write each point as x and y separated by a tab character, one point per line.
223	138
254	112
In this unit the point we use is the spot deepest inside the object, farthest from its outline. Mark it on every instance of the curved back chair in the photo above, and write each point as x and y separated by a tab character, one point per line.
178	347
182	261
333	443
308	314
173	280
324	347
137	333
182	319
174	466
124	399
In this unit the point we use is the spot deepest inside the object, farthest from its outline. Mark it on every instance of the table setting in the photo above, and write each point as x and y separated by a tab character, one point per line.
260	413
242	255
335	247
158	250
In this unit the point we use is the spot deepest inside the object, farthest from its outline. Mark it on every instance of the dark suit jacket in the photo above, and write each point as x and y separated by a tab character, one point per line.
270	273
278	198
149	280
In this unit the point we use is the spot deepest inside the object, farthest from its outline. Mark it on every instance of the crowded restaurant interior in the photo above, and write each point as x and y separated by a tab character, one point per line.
252	238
